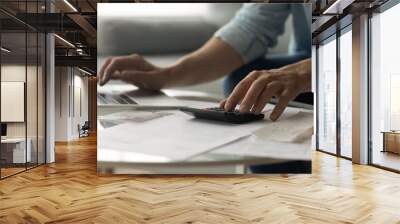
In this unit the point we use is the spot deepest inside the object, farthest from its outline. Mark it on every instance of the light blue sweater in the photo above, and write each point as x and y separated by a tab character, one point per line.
256	27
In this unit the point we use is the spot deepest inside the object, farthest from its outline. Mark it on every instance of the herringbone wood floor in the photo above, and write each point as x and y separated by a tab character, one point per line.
69	191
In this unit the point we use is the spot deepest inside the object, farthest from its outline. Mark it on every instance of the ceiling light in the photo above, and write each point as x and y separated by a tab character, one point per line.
70	5
65	41
80	51
5	50
337	7
84	71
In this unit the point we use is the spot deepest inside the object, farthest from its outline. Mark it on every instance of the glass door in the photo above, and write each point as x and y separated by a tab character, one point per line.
22	95
326	88
385	89
345	93
15	151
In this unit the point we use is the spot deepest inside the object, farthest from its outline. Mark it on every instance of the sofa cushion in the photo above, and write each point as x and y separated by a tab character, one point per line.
139	35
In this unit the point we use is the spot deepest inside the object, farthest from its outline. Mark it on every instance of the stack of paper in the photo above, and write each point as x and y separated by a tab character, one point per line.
288	138
175	137
293	129
113	119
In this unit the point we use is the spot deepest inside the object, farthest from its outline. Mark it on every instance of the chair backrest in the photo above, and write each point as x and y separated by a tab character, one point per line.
86	125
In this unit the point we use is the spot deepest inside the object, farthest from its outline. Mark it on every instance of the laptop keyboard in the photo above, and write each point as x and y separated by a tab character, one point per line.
114	99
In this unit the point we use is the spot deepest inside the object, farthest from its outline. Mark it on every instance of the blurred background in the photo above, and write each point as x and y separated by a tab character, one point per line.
162	36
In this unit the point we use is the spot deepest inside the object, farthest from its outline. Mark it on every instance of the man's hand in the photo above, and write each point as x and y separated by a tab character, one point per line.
133	69
257	89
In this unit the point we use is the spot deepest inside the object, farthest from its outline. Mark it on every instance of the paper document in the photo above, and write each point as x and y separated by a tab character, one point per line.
288	138
294	129
255	146
152	98
175	137
121	117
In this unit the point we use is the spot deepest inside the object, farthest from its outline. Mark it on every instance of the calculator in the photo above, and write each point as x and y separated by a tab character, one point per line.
219	114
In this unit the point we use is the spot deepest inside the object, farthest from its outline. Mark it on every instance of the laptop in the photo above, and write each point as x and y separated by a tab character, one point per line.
136	99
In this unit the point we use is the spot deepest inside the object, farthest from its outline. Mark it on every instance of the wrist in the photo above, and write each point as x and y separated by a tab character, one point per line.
305	79
302	77
174	74
302	71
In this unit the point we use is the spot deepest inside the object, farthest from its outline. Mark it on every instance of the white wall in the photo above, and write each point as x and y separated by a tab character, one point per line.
82	82
33	126
70	83
14	73
80	100
12	101
61	103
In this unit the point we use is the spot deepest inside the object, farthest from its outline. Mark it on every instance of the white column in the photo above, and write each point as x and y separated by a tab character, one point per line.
50	98
314	90
50	92
360	90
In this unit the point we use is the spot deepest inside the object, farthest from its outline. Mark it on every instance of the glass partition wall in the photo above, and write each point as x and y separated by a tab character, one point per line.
22	94
334	105
385	88
345	92
326	89
334	94
13	88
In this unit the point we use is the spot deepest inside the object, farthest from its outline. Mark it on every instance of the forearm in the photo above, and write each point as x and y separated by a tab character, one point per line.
212	61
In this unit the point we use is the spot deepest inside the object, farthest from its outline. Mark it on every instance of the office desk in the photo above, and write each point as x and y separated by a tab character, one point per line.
13	150
219	160
391	141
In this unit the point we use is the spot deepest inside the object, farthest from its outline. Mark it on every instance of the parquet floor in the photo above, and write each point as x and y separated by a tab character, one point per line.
10	171
69	191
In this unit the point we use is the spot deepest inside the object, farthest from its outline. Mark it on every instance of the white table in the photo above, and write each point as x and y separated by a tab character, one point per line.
215	161
19	155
